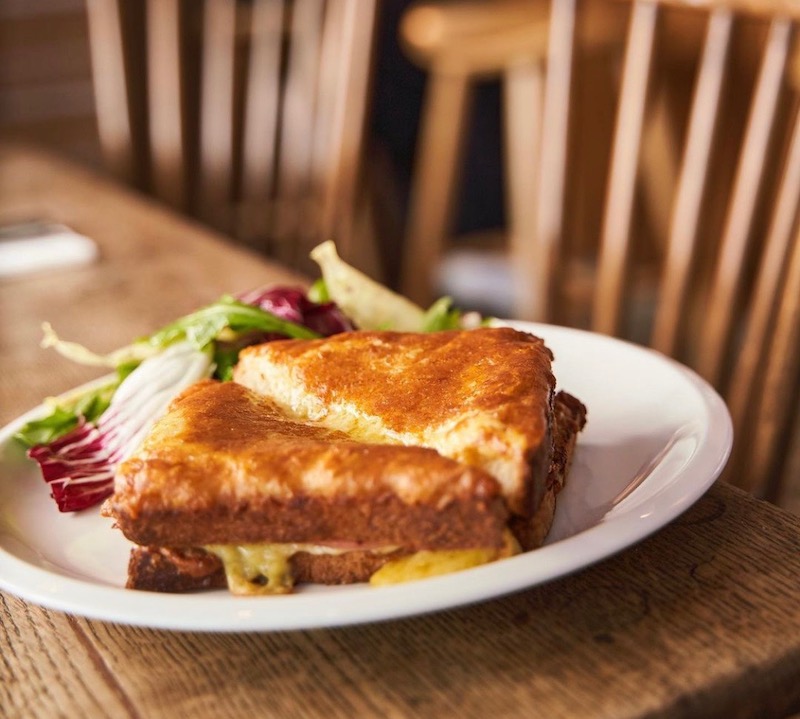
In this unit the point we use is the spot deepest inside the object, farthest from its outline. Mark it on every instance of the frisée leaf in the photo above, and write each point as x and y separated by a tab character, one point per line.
199	329
135	352
373	306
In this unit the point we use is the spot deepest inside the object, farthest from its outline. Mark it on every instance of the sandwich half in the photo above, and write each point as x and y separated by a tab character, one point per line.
375	456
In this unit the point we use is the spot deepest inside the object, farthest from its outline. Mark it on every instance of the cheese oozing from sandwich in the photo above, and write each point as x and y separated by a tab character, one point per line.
262	568
266	568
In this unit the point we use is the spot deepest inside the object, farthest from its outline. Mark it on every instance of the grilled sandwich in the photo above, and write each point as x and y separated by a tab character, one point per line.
377	456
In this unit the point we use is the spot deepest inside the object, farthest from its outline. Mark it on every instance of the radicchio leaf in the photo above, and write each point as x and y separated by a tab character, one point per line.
292	304
80	465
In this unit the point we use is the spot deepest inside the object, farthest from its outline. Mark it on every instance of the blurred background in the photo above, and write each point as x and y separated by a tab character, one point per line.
48	97
46	91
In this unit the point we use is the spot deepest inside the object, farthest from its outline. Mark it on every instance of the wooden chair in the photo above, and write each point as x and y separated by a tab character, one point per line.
460	44
249	115
720	290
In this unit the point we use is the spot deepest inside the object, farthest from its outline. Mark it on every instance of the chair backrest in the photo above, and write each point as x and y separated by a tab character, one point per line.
695	249
249	115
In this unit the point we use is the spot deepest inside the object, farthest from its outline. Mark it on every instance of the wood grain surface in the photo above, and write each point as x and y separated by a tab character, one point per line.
700	620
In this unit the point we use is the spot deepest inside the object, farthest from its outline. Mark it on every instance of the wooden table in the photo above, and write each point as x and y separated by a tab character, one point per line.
700	620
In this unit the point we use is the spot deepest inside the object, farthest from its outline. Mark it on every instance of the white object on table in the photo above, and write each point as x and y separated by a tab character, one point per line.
30	247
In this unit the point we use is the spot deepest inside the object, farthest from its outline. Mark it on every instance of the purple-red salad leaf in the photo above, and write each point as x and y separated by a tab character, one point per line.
79	466
292	304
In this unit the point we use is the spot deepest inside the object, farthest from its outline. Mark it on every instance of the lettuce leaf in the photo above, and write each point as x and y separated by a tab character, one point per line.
67	412
205	325
369	304
372	306
441	316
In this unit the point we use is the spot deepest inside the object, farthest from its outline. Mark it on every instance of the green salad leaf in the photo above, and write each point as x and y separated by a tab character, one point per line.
441	315
67	411
318	292
45	430
207	324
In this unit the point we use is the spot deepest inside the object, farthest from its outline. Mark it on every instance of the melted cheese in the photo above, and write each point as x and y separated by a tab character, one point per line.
253	569
262	568
430	564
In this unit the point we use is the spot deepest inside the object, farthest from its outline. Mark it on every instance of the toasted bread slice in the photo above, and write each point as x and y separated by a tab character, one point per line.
224	466
481	397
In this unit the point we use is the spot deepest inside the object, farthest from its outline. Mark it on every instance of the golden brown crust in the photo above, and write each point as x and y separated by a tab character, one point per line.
230	466
224	466
415	381
482	397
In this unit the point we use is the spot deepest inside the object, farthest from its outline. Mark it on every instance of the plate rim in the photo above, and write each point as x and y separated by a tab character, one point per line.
221	612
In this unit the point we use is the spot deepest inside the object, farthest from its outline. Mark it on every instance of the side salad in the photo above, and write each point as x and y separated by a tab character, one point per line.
87	433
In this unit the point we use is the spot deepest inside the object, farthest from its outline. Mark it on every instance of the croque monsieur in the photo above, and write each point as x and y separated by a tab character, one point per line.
380	456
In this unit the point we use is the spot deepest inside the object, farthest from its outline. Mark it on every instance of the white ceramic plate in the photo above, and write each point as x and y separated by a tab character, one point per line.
656	438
